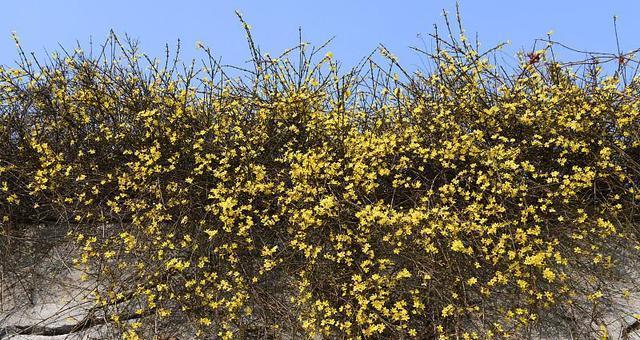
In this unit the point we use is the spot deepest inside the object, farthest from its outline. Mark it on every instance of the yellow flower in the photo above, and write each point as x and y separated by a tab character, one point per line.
549	274
447	311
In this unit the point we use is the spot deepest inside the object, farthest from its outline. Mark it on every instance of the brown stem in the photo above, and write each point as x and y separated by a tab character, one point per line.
86	323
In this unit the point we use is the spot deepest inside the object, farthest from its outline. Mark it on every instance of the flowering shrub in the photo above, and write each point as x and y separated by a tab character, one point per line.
296	199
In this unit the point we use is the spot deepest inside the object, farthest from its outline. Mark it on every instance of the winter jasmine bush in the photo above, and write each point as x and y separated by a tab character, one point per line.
295	199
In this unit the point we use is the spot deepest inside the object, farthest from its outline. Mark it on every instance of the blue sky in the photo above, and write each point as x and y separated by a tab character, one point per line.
358	26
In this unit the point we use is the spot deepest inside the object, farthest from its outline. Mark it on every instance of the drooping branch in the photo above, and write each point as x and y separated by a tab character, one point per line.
88	322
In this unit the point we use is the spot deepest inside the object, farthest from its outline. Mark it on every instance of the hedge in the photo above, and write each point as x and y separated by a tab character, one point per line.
291	198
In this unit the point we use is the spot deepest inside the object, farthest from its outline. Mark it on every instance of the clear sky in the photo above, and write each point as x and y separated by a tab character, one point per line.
358	26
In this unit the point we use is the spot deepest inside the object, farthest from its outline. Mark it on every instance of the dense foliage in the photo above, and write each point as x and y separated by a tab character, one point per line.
293	198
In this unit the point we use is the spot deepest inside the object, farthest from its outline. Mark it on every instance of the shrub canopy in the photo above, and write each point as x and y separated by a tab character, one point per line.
298	199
